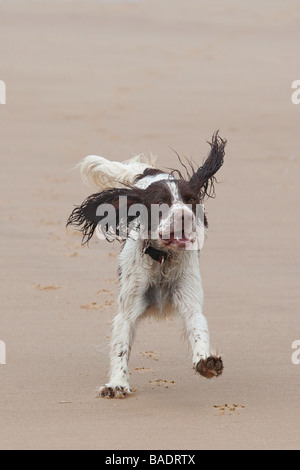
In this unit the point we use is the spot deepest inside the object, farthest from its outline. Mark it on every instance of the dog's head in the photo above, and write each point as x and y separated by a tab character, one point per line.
166	210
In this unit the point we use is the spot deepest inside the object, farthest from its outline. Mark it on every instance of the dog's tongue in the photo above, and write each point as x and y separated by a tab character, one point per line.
176	238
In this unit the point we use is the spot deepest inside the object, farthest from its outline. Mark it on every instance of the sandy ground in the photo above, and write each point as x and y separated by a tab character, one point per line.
116	79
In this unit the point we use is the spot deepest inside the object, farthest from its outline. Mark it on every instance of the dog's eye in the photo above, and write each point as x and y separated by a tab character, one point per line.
191	200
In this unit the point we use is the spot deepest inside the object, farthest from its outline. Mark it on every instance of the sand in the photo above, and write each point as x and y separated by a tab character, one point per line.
117	79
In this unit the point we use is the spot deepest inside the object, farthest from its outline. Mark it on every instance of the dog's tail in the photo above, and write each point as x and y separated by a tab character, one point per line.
100	173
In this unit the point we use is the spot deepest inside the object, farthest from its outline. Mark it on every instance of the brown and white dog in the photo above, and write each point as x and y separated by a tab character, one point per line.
161	220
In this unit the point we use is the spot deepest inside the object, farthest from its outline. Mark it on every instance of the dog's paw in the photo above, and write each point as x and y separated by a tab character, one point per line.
210	367
114	392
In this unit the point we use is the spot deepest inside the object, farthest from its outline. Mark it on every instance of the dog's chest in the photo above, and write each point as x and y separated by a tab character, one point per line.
159	293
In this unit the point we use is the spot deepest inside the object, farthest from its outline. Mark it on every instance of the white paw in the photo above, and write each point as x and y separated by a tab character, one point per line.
118	391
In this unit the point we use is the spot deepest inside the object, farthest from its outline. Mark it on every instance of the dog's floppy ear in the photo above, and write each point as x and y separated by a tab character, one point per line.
203	179
108	210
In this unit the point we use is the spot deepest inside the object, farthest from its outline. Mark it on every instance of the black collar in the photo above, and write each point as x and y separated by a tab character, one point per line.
157	255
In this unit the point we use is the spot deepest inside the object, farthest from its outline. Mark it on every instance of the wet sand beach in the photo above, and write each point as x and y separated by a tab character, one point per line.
118	79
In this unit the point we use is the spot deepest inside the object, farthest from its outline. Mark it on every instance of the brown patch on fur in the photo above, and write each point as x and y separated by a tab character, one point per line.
156	193
148	172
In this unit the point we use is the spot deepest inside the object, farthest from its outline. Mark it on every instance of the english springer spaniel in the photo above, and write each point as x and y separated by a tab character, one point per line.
159	216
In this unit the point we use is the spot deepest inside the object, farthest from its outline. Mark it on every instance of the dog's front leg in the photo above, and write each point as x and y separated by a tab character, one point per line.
188	300
131	307
121	341
133	279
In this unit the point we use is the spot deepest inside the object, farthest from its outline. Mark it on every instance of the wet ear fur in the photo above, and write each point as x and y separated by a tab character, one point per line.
85	217
203	179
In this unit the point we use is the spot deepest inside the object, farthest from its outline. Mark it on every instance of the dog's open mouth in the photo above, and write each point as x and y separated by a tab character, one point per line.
177	240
